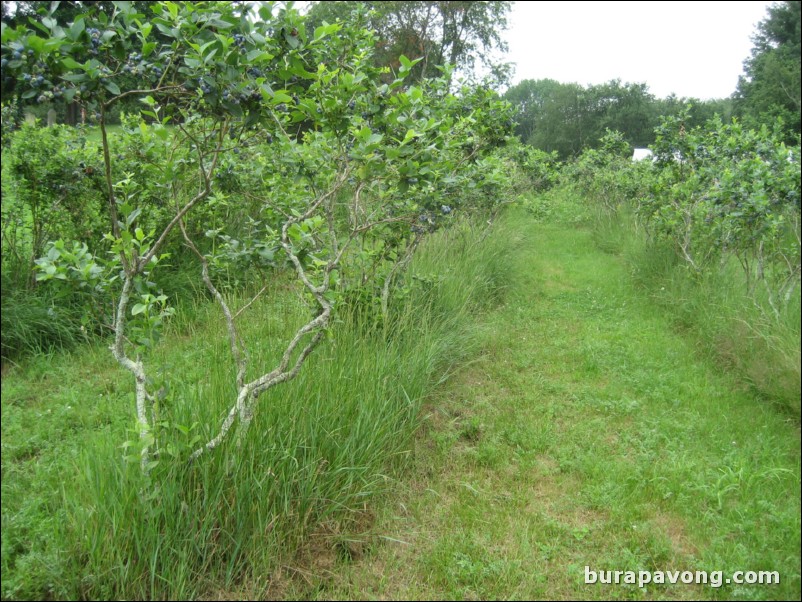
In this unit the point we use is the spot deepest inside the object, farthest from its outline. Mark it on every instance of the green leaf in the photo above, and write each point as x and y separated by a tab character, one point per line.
37	43
111	87
258	55
251	119
258	38
364	133
167	30
220	24
132	216
208	58
75	77
267	91
292	41
138	309
76	29
409	136
173	8
281	97
325	30
70	63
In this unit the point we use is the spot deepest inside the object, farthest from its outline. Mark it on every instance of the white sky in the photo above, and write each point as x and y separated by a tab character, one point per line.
693	49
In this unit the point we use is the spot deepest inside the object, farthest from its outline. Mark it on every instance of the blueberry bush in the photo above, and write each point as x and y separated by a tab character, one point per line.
260	145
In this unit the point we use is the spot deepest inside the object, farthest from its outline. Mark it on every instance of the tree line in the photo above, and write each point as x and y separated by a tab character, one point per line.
568	117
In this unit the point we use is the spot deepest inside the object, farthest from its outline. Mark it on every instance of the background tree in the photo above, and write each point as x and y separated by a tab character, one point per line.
435	32
529	97
695	112
770	87
567	118
628	108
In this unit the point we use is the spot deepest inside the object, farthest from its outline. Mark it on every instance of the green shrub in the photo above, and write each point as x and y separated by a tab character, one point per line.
711	231
51	190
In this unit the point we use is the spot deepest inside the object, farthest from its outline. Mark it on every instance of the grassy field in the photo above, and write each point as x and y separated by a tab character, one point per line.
590	434
566	422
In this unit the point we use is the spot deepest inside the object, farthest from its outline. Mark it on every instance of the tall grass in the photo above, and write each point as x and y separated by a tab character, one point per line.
742	331
33	323
319	448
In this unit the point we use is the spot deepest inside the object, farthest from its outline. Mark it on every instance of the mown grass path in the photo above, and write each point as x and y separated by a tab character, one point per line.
589	433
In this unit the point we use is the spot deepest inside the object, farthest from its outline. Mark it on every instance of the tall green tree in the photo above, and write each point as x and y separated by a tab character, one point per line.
529	98
567	118
628	108
695	112
458	33
771	86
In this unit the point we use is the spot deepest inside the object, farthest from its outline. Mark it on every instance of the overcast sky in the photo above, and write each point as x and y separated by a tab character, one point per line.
693	49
